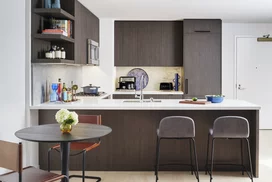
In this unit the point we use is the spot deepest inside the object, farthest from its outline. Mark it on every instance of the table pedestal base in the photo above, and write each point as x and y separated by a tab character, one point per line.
65	153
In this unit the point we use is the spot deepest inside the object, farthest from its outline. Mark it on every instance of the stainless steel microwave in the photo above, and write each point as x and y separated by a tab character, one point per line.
93	52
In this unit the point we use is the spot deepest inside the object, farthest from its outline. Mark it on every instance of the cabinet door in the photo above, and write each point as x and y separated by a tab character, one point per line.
129	50
149	44
95	27
118	43
77	32
202	64
172	51
84	35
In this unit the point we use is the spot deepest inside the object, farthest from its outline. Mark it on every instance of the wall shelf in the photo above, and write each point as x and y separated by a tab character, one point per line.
53	12
263	39
54	37
53	61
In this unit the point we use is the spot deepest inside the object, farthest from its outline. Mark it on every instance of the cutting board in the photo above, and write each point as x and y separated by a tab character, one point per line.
194	102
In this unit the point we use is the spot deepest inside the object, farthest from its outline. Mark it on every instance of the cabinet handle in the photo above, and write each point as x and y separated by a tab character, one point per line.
202	31
186	86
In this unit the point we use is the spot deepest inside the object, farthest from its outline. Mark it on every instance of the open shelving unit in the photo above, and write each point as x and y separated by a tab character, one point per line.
54	37
41	43
53	12
52	61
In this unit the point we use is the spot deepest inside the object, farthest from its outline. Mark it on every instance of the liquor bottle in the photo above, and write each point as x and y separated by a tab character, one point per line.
63	53
64	93
58	53
70	93
59	90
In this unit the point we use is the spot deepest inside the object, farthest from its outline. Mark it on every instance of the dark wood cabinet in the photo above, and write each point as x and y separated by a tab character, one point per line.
202	63
125	44
148	43
86	27
202	26
172	41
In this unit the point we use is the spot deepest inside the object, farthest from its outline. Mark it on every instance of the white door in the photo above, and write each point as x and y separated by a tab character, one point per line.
254	76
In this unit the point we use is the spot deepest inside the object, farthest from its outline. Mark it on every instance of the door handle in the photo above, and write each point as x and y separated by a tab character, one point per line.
240	87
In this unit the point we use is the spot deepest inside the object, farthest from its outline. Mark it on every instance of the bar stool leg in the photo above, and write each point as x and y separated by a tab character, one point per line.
212	157
196	162
191	157
83	166
249	157
242	156
157	158
207	157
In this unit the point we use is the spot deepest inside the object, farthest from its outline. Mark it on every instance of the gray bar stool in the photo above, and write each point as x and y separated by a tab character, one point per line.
177	127
229	127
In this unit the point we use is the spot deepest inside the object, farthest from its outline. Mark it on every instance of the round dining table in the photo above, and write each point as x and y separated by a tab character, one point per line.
51	133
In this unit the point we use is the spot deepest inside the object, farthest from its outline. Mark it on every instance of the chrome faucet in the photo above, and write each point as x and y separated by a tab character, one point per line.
141	96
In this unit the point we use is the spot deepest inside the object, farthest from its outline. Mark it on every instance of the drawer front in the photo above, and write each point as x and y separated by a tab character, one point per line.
202	26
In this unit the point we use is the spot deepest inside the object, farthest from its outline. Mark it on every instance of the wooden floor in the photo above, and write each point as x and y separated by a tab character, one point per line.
265	170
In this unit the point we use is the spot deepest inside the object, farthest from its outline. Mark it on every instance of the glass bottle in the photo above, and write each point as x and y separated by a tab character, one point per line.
59	90
64	93
58	53
47	4
63	53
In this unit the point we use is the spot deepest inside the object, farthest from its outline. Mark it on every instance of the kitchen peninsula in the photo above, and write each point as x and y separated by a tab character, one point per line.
131	145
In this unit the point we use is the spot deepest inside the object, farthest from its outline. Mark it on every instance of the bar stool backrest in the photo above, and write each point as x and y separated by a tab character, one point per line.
176	127
231	127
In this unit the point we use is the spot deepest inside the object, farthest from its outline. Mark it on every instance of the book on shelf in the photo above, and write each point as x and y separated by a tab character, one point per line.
65	25
55	31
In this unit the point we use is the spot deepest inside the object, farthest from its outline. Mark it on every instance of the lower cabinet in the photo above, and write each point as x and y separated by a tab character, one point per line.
147	96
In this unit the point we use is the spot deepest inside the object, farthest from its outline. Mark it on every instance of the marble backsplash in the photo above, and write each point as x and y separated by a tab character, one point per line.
156	75
44	75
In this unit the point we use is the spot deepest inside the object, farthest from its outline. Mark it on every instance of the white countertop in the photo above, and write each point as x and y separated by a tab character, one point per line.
173	104
167	92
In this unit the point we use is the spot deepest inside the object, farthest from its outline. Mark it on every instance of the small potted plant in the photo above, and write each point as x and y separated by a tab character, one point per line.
66	119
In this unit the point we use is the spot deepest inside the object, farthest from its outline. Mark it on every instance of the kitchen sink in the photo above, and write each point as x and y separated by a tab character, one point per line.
144	101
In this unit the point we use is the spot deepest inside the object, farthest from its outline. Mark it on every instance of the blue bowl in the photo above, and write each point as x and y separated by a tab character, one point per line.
214	99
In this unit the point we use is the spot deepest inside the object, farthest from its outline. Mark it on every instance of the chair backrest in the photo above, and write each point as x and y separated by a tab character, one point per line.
176	127
91	119
11	156
231	127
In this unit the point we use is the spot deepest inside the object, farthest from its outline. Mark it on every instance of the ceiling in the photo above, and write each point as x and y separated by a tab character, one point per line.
255	11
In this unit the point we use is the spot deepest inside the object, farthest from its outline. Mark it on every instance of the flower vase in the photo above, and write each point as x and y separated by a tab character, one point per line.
65	128
56	4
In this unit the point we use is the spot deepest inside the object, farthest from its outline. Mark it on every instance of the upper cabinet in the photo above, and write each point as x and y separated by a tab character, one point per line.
148	43
83	25
202	58
202	26
87	27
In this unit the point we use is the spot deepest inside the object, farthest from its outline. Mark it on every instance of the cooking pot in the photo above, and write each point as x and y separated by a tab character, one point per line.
90	89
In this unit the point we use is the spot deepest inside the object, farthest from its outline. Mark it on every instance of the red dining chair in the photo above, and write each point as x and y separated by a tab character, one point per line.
81	147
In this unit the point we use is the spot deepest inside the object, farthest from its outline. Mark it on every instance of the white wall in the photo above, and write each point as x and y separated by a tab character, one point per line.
103	75
12	69
229	32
